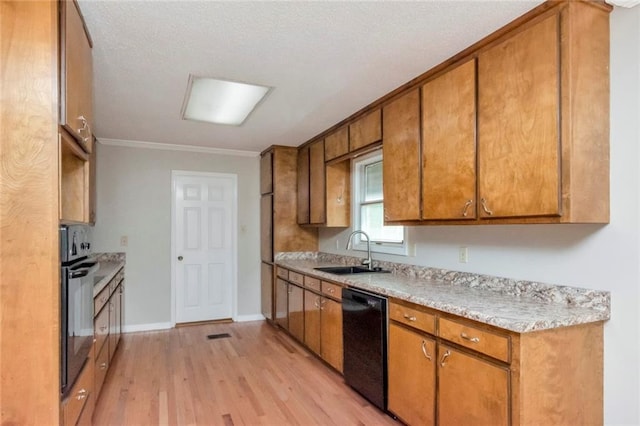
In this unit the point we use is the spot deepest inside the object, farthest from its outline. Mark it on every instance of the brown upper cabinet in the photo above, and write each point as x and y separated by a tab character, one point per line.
323	189
76	77
401	158
514	129
365	130
543	119
266	172
519	101
449	144
336	144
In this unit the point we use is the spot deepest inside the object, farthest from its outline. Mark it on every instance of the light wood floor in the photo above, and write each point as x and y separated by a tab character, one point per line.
258	376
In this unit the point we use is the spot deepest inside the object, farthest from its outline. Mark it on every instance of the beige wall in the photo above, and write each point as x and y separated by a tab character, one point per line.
134	199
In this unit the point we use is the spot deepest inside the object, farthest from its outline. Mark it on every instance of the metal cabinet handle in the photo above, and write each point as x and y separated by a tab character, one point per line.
424	350
82	394
484	207
85	128
446	355
466	207
103	366
322	303
331	290
316	302
470	339
409	317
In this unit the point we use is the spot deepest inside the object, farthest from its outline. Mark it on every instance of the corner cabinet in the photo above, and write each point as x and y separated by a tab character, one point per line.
279	231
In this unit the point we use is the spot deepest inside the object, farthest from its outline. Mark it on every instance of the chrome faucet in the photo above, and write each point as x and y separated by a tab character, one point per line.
368	261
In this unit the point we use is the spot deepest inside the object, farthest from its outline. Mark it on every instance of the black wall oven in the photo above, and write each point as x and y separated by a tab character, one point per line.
76	278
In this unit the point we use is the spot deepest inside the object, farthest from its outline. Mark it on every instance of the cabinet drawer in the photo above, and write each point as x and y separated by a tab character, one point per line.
469	336
312	283
282	273
101	368
101	328
413	317
296	278
79	395
332	290
100	300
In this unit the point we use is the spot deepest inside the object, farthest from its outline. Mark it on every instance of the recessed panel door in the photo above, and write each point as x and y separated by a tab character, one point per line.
204	246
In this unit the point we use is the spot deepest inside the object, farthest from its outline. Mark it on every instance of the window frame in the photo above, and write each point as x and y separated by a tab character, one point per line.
357	200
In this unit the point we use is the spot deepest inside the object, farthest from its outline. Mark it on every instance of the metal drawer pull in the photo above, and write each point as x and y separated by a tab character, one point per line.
409	317
331	290
466	207
485	208
471	339
103	366
424	350
446	355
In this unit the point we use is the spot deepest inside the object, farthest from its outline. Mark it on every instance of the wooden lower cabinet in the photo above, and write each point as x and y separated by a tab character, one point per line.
472	391
281	309
312	328
331	333
81	399
412	376
296	311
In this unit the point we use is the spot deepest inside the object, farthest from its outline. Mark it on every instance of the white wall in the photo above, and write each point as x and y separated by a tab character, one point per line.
134	199
598	257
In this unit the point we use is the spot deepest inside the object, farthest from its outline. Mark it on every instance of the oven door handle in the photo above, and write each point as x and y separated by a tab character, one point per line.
80	273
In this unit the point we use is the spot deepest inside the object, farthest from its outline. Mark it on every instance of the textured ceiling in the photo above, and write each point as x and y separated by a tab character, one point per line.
325	60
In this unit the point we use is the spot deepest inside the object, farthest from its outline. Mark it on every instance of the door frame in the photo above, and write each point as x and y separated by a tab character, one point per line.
234	251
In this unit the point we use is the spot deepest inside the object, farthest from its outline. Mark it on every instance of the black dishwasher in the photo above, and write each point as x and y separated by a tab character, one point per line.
364	320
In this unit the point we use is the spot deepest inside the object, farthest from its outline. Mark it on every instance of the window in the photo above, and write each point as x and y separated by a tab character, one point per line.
368	208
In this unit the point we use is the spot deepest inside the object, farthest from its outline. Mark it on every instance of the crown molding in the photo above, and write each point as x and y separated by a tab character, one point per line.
176	147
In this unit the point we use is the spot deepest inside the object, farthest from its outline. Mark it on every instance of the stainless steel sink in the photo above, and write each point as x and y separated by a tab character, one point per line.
348	270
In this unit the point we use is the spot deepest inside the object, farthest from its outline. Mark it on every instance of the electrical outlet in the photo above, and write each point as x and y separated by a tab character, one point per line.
124	241
337	244
463	255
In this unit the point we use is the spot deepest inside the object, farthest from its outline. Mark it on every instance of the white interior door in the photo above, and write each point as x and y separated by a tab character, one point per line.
204	244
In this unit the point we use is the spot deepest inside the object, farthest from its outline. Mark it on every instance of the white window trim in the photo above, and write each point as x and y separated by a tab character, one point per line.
359	243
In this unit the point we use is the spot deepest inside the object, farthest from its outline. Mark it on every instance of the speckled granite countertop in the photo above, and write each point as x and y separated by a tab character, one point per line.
108	269
518	306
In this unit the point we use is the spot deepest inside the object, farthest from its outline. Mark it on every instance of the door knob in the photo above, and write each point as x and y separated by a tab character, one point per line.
180	257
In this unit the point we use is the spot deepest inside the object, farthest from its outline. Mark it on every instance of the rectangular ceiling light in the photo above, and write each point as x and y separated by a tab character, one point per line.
221	101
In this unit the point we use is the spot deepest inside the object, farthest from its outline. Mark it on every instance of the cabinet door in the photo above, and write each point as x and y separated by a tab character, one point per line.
312	321
266	173
77	76
518	110
266	290
316	183
282	318
401	158
303	185
338	203
412	376
471	391
93	158
336	144
365	131
331	333
449	145
296	312
266	228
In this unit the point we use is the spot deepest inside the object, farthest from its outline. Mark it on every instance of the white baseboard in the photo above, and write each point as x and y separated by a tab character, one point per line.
146	327
246	318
